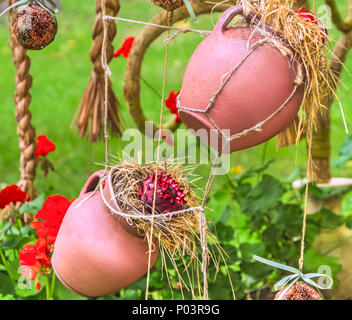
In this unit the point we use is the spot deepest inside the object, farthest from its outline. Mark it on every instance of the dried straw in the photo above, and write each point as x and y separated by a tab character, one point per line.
176	232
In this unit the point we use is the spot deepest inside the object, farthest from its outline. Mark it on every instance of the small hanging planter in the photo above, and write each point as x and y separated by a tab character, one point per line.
97	253
34	24
291	288
105	238
299	291
247	83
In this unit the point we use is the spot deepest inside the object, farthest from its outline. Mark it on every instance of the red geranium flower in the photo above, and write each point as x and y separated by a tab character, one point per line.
171	103
34	259
44	146
49	217
11	194
125	49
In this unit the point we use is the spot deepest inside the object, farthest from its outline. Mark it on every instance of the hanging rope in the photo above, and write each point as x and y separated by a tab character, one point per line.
146	37
169	21
22	98
151	218
93	99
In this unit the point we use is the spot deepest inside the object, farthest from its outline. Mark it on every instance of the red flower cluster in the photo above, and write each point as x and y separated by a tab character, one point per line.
125	49
171	103
169	196
44	146
12	194
35	258
49	218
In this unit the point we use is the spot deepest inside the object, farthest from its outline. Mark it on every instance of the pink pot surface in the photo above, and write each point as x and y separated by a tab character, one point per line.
95	254
256	90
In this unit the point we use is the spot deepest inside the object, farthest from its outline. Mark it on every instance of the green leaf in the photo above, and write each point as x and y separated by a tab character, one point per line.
348	222
62	293
129	294
9	243
33	206
109	297
330	220
6	286
6	227
31	290
13	243
345	153
218	203
7	297
314	259
264	196
224	232
249	249
13	268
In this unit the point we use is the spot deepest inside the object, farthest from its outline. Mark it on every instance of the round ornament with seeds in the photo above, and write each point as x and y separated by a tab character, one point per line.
34	23
34	26
299	291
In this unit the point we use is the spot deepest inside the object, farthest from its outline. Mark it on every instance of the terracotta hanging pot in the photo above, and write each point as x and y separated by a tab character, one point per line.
262	91
97	252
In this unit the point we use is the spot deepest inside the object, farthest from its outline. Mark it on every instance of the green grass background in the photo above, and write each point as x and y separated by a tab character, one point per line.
61	72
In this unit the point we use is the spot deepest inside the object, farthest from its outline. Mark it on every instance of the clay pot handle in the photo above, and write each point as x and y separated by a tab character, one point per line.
92	182
228	15
251	18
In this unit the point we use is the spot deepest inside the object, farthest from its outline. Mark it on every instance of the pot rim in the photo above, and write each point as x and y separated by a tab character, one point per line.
108	193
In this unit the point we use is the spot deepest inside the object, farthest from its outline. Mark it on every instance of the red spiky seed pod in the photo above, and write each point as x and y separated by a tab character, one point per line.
299	291
169	196
34	27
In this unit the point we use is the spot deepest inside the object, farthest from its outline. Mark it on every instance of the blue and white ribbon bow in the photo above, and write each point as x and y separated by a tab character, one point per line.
295	276
43	3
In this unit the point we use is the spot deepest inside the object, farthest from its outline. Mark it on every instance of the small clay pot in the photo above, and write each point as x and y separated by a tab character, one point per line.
34	27
97	252
263	82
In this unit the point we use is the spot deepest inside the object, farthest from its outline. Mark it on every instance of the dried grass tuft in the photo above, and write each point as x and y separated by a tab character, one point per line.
178	234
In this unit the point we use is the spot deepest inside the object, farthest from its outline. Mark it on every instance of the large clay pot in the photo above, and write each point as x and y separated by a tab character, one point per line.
256	90
97	253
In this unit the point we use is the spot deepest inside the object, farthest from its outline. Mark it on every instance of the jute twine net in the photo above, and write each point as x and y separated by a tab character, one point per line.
152	221
303	43
92	103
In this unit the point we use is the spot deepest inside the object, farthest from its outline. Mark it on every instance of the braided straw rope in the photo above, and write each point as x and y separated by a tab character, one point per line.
22	98
92	103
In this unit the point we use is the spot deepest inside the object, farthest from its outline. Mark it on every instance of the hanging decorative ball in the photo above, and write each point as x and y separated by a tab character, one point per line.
169	5
169	195
299	291
34	26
